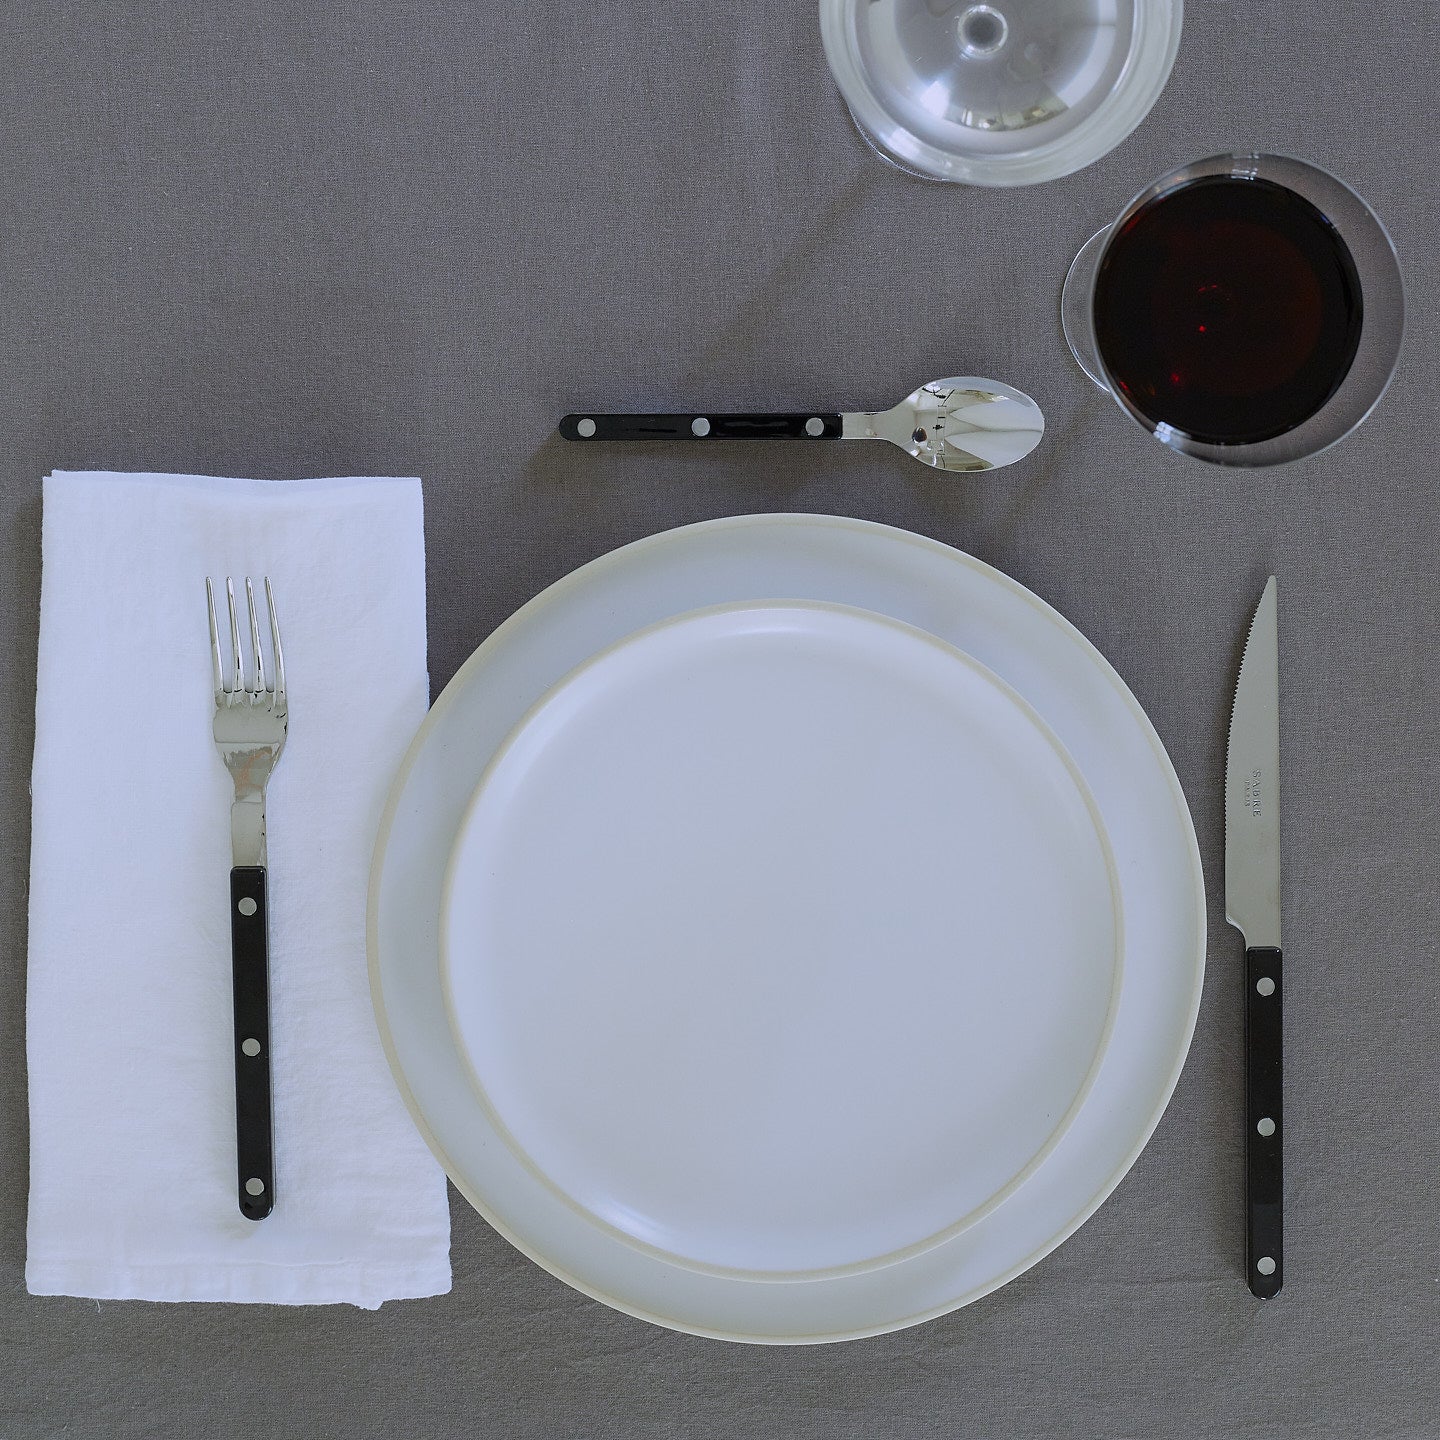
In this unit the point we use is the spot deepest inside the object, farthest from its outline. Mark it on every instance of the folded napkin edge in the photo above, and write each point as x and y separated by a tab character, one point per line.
239	483
363	1284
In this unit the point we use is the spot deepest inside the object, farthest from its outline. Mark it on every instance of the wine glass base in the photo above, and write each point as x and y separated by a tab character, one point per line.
1076	301
887	157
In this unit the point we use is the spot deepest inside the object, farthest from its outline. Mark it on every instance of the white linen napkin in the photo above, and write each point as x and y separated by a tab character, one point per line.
129	1026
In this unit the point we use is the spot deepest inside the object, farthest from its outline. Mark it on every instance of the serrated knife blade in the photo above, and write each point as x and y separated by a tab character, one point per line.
1252	905
1252	784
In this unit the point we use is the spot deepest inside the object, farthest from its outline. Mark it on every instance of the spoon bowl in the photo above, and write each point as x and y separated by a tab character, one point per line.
962	423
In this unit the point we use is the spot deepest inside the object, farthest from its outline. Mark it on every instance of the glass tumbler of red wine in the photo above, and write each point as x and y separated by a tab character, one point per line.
1245	309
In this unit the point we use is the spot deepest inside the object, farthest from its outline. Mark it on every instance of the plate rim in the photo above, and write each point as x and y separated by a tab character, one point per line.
952	653
561	587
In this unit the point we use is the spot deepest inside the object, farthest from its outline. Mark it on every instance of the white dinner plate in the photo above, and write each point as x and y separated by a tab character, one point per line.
920	583
781	940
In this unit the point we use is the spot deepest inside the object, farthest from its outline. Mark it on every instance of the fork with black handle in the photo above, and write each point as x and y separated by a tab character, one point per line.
251	718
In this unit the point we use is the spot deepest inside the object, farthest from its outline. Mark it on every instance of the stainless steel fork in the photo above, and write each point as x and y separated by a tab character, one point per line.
251	717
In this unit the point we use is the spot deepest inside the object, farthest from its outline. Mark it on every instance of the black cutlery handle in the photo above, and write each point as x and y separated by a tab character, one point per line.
802	425
1264	1124
250	964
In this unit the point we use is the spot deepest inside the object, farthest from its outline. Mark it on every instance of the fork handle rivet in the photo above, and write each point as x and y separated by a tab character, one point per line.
246	906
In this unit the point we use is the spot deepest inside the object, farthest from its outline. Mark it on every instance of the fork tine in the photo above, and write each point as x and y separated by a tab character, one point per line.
217	665
235	639
258	688
279	661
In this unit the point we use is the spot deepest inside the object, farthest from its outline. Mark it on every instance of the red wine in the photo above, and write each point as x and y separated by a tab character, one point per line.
1228	309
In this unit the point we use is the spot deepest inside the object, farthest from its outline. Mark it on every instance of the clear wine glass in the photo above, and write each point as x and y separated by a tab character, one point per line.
999	92
1246	309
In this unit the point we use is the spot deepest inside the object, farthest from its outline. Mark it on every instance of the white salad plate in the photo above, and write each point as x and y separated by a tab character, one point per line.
523	713
781	940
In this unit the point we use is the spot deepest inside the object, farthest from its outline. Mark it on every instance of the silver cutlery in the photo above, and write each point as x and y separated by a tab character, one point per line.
962	424
251	717
1252	905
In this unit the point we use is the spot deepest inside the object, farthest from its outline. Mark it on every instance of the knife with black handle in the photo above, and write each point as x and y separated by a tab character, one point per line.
1252	905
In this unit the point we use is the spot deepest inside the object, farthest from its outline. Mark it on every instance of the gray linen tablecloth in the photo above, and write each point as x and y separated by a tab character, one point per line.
281	240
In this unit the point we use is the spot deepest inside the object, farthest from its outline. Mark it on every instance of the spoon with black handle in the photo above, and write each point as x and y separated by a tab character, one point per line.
962	424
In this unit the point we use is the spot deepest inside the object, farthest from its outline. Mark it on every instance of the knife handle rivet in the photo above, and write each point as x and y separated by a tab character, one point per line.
1265	985
586	428
254	1186
1266	1127
1265	1265
246	906
250	1047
